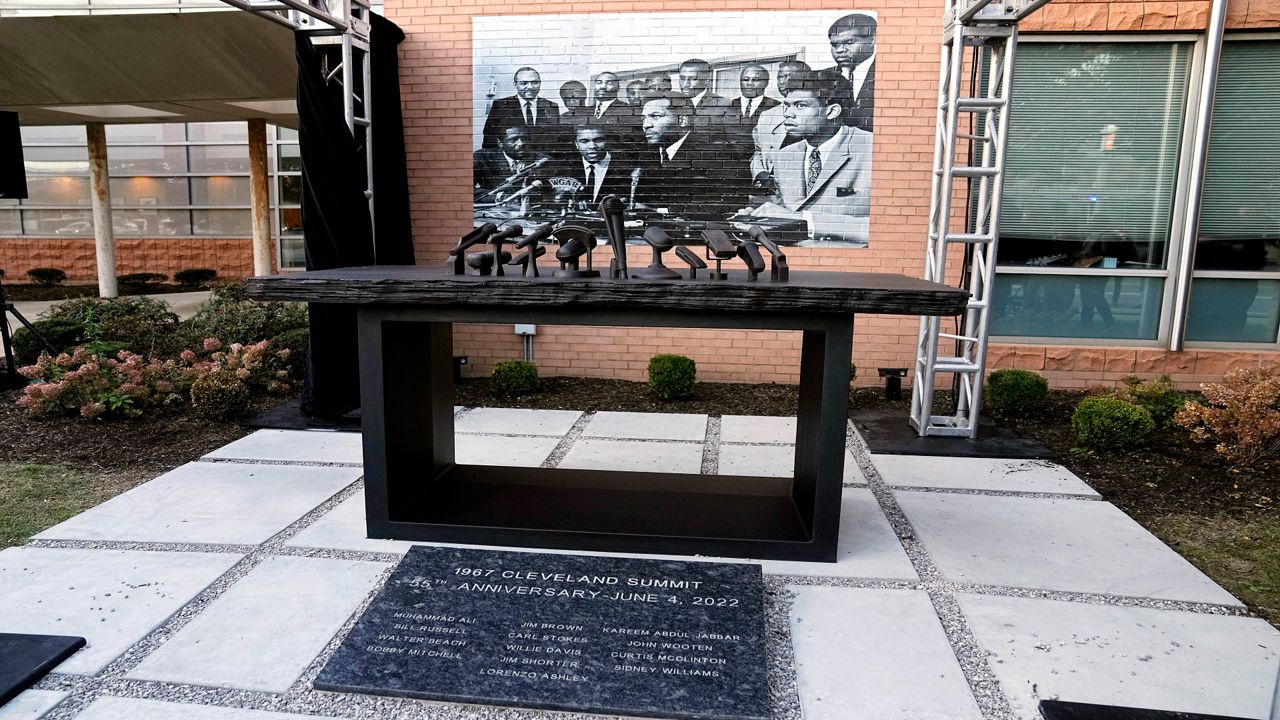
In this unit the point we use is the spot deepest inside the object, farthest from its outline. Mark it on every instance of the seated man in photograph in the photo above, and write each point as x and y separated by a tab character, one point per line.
684	170
769	133
825	179
498	172
601	170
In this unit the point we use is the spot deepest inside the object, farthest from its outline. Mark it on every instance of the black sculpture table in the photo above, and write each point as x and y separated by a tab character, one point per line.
415	491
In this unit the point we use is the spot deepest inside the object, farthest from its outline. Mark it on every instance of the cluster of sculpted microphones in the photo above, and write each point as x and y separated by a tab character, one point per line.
576	242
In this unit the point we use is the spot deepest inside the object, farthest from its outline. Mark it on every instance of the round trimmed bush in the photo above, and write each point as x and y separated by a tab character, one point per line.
514	377
61	334
195	277
231	317
220	395
1109	423
46	277
144	325
140	281
1015	392
672	376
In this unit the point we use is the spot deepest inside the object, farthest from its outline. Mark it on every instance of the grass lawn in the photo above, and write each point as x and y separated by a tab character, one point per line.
1243	557
36	497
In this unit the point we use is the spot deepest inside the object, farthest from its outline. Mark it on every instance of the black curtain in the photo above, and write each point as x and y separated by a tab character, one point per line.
335	215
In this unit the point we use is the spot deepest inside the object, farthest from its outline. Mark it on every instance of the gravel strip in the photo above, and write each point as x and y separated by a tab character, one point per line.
711	447
302	463
149	546
567	442
997	493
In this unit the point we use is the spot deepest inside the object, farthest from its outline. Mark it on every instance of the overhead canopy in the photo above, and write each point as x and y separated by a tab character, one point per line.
146	68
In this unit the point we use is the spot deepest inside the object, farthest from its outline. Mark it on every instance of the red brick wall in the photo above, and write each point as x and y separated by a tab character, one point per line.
232	258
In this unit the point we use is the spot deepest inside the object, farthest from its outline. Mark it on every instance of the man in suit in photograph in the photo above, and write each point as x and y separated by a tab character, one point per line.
853	47
609	111
684	170
770	133
513	160
540	116
741	123
710	110
600	169
825	178
573	95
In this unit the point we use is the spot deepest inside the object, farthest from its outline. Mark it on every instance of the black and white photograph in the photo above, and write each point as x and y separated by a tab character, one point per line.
694	121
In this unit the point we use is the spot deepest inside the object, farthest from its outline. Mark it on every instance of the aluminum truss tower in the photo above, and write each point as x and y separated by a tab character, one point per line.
340	30
992	27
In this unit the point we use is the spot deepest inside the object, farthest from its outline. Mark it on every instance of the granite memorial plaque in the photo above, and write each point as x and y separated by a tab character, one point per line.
562	632
1063	710
24	659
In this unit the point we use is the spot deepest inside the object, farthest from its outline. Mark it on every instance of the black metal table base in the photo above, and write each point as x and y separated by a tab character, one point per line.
415	491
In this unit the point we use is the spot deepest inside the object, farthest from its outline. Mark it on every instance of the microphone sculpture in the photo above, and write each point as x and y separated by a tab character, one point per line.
575	241
660	242
500	256
719	247
612	207
528	261
691	258
778	270
749	251
454	264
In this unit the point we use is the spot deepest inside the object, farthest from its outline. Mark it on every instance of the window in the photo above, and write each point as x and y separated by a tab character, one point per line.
1235	292
1092	170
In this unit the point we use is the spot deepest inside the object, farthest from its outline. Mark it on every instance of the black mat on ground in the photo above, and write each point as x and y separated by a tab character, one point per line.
1059	710
24	659
889	432
290	416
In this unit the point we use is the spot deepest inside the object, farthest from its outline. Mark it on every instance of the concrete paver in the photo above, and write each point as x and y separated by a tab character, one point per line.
758	460
1132	657
1031	476
647	426
112	598
226	503
31	704
870	653
757	429
516	421
1071	545
508	451
118	708
267	628
317	446
667	457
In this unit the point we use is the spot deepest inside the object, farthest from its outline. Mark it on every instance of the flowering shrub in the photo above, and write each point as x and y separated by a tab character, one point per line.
1242	413
95	385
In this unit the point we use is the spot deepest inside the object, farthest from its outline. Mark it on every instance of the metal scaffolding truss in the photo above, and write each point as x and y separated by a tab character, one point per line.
339	30
970	154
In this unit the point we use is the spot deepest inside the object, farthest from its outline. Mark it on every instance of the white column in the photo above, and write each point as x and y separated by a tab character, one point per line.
260	195
104	238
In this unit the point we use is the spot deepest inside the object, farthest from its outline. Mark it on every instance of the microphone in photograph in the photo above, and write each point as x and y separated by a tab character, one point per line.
635	183
611	208
516	177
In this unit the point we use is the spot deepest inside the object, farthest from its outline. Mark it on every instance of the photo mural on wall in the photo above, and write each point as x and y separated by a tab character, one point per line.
695	120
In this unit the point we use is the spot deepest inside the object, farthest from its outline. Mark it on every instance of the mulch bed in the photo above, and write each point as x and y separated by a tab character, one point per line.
27	293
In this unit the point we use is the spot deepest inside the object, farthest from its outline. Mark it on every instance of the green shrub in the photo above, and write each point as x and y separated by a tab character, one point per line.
140	281
46	277
514	377
296	342
1157	396
61	334
195	277
220	395
1109	423
853	371
672	376
230	316
144	325
1015	392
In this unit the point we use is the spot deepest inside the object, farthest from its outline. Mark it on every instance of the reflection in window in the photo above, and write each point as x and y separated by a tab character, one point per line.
1229	310
144	133
57	190
145	159
57	222
291	253
218	132
1092	156
56	160
290	189
290	158
220	190
151	223
10	222
229	223
1090	305
219	158
290	220
148	191
54	134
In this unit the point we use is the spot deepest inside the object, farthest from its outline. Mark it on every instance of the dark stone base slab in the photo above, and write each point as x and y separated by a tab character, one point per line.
889	432
1060	710
607	635
290	416
24	659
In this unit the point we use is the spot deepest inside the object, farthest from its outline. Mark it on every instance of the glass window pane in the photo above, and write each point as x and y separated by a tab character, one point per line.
1092	155
142	159
1227	310
219	158
291	253
149	191
290	158
229	223
1080	306
54	134
56	160
290	220
220	190
154	133
285	134
57	190
291	190
1240	220
218	132
57	222
10	222
151	223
